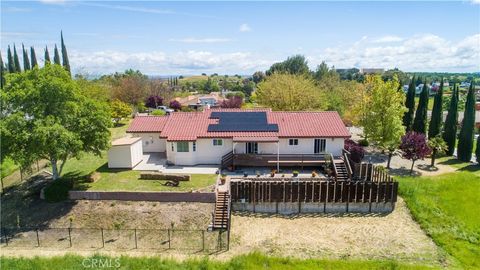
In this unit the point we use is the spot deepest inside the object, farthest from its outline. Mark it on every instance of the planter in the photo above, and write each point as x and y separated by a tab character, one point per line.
245	174
295	174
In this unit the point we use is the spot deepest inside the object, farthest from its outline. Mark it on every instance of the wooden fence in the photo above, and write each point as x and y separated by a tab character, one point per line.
313	191
370	172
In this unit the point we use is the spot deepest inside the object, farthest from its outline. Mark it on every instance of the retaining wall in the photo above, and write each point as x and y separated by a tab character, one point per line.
313	207
202	197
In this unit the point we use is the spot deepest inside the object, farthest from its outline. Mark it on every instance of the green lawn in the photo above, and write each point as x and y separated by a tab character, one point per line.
430	103
123	180
127	180
447	209
248	262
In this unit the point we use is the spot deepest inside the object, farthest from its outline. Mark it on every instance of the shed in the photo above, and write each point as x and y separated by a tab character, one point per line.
125	153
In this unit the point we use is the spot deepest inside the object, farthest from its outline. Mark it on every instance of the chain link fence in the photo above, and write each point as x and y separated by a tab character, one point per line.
116	239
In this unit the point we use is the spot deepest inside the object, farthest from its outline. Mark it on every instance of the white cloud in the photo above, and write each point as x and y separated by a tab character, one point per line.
53	2
386	39
15	9
475	2
130	8
200	40
245	28
183	62
425	52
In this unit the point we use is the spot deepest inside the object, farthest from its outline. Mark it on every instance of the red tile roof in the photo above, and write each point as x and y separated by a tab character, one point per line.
147	124
188	126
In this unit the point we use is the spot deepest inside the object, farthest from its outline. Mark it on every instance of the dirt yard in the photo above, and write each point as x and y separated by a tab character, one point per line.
393	236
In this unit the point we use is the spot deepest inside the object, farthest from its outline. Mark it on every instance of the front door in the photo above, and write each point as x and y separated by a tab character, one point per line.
251	148
319	146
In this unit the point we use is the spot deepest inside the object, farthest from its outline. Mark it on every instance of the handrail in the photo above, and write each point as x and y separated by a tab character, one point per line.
334	167
346	160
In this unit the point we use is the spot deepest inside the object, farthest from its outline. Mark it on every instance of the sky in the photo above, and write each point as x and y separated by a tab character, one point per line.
188	38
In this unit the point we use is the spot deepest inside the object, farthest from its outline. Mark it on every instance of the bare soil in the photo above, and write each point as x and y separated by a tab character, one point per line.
392	236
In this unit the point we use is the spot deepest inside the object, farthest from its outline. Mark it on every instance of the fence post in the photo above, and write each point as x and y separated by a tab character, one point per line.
38	239
70	236
135	232
103	239
203	240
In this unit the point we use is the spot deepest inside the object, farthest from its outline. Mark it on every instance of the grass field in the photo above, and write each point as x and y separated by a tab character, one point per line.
249	262
127	180
446	207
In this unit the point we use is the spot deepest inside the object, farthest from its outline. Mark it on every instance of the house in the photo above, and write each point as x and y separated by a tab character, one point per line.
252	137
198	101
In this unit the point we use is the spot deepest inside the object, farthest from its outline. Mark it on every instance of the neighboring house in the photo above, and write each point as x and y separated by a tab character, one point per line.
198	101
192	138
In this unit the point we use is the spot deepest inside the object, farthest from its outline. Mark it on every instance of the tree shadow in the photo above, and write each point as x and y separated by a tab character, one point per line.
469	168
403	171
21	206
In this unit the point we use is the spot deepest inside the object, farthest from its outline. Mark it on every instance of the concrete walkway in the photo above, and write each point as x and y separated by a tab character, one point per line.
152	162
158	162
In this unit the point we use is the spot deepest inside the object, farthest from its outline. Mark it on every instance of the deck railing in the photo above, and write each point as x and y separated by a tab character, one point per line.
267	160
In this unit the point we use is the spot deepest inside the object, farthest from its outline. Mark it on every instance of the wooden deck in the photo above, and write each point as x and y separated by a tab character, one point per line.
271	160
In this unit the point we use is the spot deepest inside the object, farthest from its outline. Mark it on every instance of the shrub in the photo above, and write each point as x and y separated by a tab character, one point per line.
58	190
153	101
175	105
363	142
233	102
157	112
356	151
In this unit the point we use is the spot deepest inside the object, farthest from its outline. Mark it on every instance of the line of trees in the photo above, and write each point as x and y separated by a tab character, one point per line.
30	62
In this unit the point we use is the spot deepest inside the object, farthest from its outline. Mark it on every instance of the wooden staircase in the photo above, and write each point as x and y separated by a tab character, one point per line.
342	173
227	160
221	214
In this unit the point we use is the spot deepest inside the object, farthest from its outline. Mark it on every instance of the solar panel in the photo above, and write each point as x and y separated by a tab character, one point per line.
241	121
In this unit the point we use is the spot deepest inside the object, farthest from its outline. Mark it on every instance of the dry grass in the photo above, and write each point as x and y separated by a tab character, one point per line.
392	236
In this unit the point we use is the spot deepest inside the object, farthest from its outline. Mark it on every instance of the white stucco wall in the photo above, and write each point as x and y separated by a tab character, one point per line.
125	156
305	146
151	142
207	153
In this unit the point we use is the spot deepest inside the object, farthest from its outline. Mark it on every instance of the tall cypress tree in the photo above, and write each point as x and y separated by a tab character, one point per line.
11	62
16	60
3	70
33	57
26	61
477	151
437	114
451	123
467	132
410	104
47	56
56	56
420	121
66	63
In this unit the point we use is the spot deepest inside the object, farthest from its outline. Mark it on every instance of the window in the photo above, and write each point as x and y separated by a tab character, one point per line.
182	146
217	142
293	142
319	146
194	146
